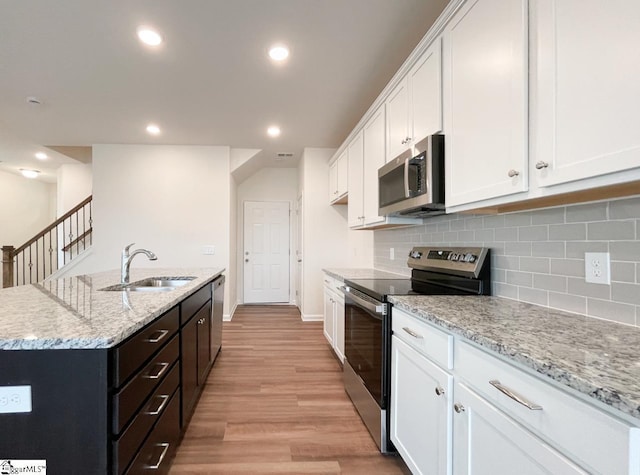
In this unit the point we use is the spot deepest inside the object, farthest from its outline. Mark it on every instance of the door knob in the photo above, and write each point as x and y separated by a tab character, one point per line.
458	407
439	391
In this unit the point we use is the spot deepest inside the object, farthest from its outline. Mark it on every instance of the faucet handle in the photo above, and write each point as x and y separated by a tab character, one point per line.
125	251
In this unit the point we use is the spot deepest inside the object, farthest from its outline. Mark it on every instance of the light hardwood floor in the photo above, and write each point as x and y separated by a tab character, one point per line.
274	404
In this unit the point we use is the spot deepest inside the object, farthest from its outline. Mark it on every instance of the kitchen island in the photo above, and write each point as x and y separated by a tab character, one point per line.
111	377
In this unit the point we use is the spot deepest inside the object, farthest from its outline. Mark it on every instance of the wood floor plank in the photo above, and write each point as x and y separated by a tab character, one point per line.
274	403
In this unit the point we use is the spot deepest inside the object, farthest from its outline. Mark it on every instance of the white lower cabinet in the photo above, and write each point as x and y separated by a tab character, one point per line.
334	315
484	414
421	410
488	442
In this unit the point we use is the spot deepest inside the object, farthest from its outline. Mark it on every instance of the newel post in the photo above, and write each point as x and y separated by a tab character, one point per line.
7	266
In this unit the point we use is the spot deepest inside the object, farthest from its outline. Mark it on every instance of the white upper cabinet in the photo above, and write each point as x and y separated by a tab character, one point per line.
338	179
374	152
414	107
485	89
355	151
397	106
587	86
425	91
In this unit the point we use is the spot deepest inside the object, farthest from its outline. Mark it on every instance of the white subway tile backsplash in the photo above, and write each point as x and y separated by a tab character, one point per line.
538	256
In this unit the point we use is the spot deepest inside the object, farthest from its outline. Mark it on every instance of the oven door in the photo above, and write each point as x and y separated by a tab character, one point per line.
367	343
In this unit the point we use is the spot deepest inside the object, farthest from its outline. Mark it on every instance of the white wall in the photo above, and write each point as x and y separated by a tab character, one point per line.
327	241
171	200
233	248
268	184
74	185
28	206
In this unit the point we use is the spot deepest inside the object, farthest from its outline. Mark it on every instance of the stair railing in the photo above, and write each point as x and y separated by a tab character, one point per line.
50	249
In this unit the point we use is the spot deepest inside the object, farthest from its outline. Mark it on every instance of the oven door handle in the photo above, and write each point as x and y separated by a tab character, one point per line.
372	307
407	191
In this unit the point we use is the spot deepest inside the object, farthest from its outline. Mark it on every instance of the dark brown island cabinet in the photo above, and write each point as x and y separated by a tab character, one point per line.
120	410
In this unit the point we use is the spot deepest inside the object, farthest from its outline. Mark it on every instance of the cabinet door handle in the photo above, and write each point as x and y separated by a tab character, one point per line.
412	333
541	164
439	391
163	368
156	466
161	335
513	173
458	407
515	396
165	400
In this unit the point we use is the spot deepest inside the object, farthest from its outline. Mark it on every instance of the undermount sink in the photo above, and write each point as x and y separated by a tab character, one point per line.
151	284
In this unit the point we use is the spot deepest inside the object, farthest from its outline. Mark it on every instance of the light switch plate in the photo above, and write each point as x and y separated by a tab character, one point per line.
597	268
15	399
208	250
392	254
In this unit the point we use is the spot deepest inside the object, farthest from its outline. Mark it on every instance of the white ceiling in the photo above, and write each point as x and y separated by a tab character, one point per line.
210	83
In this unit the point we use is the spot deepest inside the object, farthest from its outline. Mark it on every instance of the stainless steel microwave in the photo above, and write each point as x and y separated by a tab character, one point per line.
412	184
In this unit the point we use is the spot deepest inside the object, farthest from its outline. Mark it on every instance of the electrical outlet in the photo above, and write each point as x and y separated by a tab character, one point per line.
208	250
597	268
392	253
14	399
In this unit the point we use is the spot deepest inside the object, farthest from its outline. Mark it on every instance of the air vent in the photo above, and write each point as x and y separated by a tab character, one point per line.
283	155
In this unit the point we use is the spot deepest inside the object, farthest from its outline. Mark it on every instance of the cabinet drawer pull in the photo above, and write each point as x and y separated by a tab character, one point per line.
514	395
165	446
157	375
458	407
439	391
540	165
513	173
412	333
161	334
165	399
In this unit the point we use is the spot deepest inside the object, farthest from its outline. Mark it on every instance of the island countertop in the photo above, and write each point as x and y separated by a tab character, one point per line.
73	313
597	358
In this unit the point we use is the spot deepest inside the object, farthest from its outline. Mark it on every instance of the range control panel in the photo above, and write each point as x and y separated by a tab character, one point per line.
467	261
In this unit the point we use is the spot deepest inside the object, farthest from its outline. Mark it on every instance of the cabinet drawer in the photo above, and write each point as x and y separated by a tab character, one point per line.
130	355
193	303
128	444
158	450
332	284
132	396
423	337
578	429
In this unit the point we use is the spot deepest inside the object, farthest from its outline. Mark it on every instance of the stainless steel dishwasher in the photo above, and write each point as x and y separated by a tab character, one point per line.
216	316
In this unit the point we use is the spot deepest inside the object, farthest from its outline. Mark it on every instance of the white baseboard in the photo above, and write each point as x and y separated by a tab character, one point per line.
311	318
228	316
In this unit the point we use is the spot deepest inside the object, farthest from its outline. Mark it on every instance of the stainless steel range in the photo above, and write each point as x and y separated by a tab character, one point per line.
367	365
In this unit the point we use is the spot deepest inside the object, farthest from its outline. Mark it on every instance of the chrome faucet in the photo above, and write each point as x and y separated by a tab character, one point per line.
127	258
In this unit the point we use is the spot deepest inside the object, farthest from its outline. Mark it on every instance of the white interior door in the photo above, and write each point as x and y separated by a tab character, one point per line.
299	253
266	252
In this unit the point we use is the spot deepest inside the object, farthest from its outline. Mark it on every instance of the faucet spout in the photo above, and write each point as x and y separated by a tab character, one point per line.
127	257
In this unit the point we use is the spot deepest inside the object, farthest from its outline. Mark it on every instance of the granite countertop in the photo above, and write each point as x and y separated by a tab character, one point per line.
597	358
342	274
72	313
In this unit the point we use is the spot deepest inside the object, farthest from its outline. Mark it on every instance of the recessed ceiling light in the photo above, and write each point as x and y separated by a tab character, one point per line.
279	52
149	36
41	156
29	173
153	129
273	131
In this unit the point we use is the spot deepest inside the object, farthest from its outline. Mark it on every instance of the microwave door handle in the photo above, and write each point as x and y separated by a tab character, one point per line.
407	192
